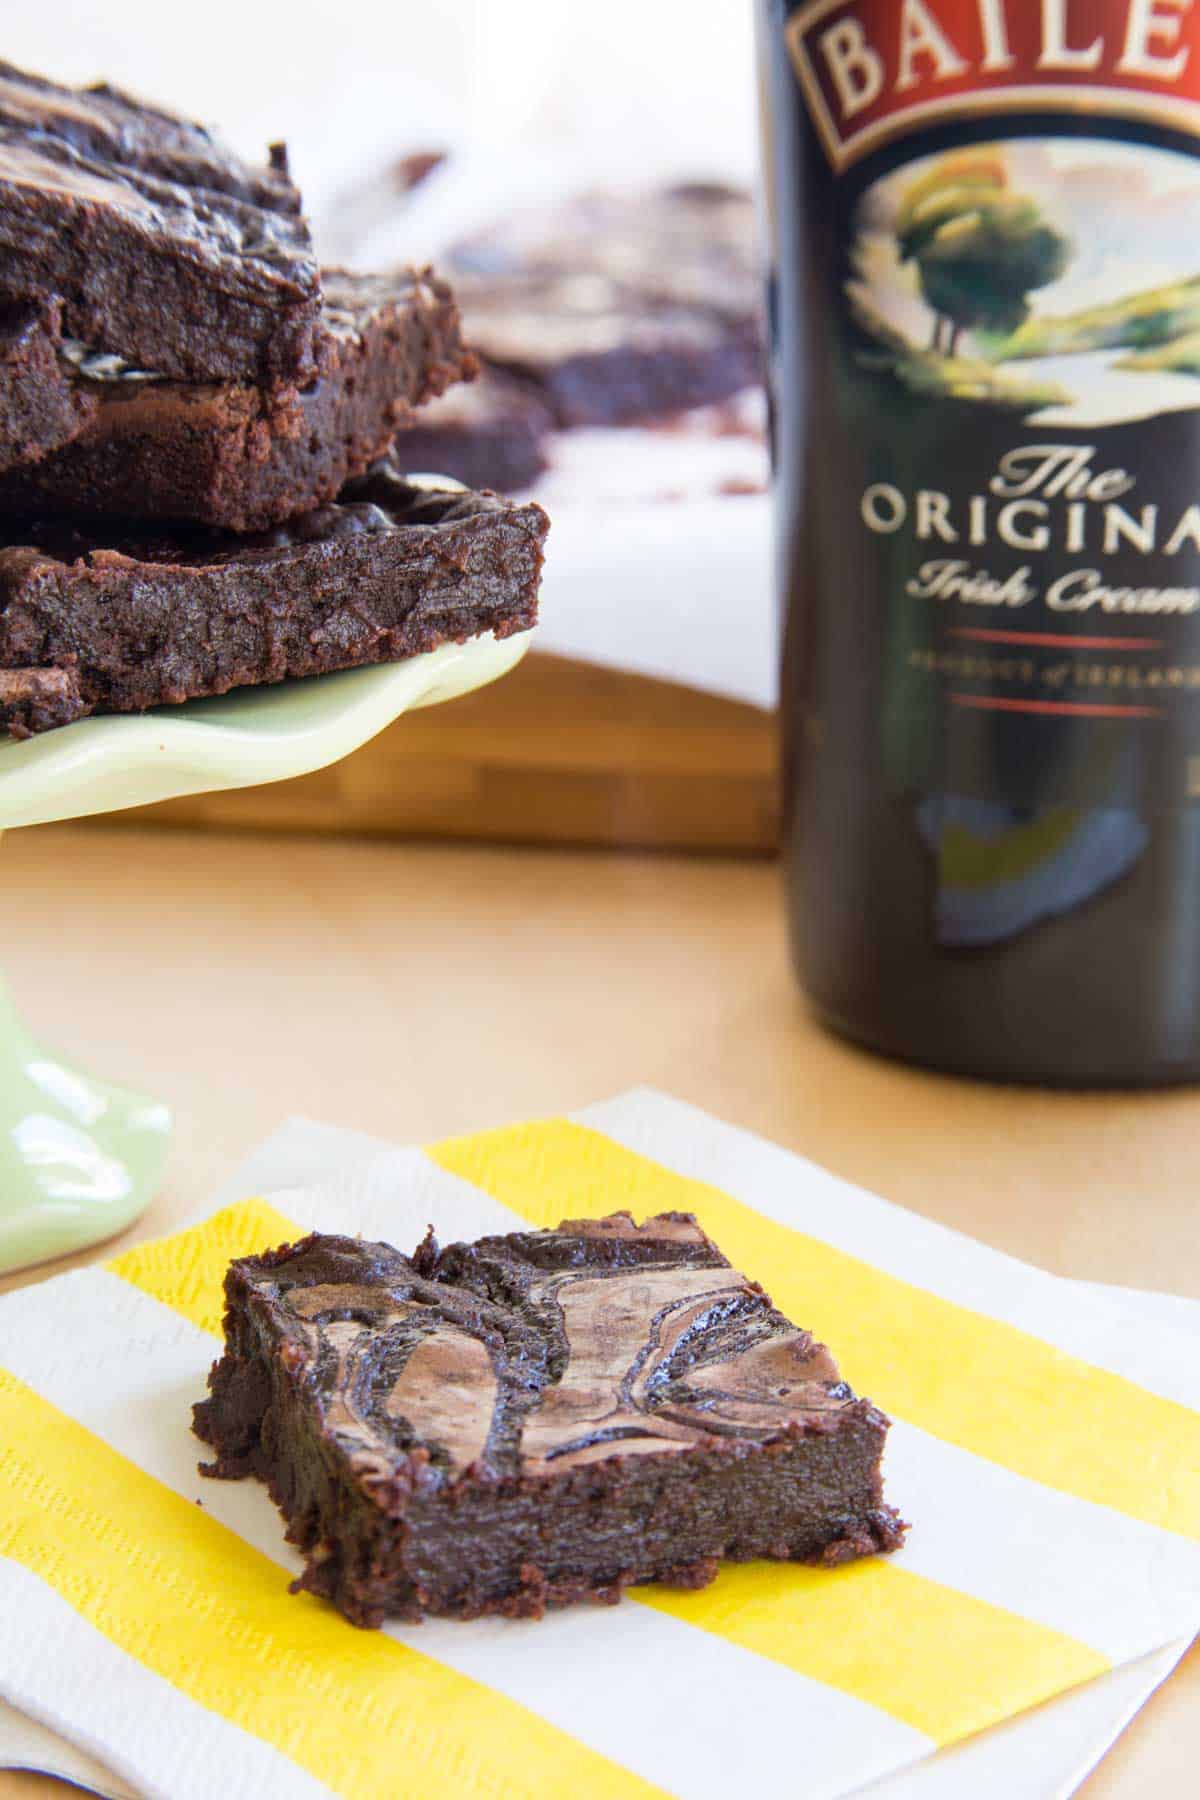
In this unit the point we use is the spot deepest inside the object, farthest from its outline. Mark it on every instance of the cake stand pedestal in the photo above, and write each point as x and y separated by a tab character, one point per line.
80	1158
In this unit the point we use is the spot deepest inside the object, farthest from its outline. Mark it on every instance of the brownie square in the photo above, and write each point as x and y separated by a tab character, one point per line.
535	1419
162	246
118	618
235	455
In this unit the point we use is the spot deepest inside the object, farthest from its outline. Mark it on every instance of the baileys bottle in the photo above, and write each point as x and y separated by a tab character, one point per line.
985	373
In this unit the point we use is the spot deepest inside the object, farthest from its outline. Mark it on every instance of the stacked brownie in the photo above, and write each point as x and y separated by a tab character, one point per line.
202	431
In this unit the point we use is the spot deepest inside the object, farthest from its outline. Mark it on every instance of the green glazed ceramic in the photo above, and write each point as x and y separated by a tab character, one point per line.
241	740
80	1160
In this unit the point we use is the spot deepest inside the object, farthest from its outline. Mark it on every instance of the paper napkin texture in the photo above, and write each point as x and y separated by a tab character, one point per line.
1046	1446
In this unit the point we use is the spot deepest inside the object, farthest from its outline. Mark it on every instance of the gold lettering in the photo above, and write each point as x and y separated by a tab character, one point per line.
855	69
921	36
1148	25
996	54
1118	525
883	507
1056	52
933	516
1187	531
1011	531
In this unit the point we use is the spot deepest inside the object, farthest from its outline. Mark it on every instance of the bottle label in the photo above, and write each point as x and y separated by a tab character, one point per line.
1012	196
874	69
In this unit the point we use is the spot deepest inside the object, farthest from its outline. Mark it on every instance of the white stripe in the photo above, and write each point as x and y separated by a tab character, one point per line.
980	1528
72	1679
1120	1585
1174	1310
680	1707
393	1197
300	1152
798	1193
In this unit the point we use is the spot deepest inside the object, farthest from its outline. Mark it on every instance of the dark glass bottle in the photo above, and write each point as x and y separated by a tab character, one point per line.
985	320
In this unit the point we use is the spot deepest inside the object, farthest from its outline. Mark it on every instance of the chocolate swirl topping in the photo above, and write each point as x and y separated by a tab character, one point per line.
544	1350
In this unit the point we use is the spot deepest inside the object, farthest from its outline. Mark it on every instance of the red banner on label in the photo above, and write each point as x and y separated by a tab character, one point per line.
871	69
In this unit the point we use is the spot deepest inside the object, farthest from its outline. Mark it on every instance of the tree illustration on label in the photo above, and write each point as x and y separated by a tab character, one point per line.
979	248
1003	276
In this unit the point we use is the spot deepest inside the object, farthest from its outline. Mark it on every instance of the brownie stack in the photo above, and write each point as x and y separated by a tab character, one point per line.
196	490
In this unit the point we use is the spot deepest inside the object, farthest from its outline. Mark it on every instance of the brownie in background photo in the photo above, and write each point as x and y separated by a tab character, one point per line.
607	310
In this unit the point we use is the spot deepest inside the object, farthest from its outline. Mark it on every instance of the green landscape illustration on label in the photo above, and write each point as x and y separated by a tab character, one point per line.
1000	275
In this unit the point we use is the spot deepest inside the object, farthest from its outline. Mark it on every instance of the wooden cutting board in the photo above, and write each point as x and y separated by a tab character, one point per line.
557	752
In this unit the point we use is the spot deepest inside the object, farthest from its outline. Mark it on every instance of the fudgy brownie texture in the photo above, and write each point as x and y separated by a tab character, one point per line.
124	618
163	248
620	307
41	405
239	456
535	1419
490	434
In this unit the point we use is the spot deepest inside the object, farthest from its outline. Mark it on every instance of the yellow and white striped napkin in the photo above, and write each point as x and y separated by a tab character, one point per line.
1046	1446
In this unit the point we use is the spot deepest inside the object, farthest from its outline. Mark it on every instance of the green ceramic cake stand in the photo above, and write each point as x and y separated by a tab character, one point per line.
79	1158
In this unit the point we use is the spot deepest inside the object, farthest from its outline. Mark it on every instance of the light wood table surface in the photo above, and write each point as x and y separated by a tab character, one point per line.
416	991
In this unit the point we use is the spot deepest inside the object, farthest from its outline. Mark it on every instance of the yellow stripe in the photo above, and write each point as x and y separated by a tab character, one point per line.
187	1271
939	1660
188	1599
971	1380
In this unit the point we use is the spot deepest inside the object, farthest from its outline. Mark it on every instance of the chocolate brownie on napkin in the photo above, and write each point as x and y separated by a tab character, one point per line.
232	454
536	1419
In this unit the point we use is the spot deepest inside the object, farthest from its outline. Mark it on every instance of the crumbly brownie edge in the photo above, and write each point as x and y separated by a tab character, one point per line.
37	700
